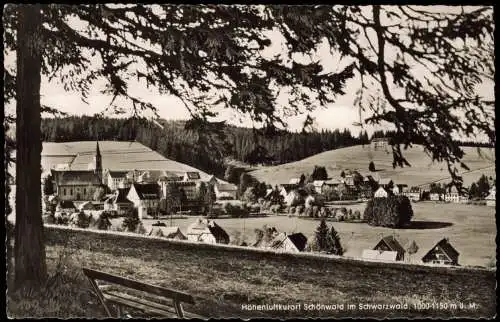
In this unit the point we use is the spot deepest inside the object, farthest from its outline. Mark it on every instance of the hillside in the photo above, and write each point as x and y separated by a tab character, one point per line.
116	155
422	170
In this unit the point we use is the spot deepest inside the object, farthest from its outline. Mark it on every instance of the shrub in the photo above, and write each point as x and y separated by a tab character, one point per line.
314	211
275	209
291	210
371	166
393	212
308	212
236	211
82	220
103	223
130	222
140	229
48	218
299	210
357	215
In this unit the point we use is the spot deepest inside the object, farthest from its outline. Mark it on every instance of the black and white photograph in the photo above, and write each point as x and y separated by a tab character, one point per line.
248	161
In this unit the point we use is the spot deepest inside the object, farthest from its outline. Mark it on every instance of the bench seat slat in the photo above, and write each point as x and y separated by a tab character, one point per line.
157	290
139	300
139	305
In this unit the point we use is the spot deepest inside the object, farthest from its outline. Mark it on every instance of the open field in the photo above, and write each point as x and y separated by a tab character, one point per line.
422	170
471	230
223	278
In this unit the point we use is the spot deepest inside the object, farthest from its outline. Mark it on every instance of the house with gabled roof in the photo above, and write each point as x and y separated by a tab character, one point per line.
381	193
289	242
118	202
386	183
206	231
225	191
390	244
443	253
116	179
452	195
191	176
491	198
294	181
167	232
146	198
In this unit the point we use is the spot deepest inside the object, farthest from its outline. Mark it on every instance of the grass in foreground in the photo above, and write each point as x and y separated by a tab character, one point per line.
221	285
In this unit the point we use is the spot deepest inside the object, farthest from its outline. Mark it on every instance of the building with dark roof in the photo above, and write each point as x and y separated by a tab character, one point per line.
118	202
442	253
289	243
390	244
146	198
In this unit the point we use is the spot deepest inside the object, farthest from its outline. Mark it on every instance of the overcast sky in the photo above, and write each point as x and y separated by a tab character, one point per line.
341	114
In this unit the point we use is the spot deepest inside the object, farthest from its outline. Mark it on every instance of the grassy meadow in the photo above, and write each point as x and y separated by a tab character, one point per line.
222	280
422	170
471	230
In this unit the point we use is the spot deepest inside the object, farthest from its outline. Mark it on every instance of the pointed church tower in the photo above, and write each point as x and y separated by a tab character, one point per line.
98	162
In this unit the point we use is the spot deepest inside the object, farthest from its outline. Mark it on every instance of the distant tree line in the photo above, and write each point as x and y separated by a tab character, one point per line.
176	142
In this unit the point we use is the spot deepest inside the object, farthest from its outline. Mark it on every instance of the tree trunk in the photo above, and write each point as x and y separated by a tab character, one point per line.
30	266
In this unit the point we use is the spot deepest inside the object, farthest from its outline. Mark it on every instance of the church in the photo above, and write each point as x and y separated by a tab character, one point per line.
76	185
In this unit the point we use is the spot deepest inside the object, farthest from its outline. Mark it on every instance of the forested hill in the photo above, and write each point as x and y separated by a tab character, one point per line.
175	142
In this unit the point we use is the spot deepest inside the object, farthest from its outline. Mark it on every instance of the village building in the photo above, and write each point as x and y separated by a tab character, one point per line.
381	193
334	182
452	195
118	202
442	253
66	206
376	255
78	185
379	143
145	198
386	183
491	198
86	206
294	181
413	193
167	232
191	176
225	191
289	243
318	185
205	231
294	195
390	244
434	196
116	179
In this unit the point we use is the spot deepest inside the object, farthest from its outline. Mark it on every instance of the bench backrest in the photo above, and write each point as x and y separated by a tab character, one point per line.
139	286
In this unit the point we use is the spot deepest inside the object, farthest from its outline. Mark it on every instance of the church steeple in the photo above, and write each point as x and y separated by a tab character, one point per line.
98	162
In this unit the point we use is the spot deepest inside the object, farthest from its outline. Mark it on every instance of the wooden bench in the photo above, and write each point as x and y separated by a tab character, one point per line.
123	292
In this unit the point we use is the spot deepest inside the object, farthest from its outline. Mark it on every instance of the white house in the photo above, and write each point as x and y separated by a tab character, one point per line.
205	231
118	202
318	185
435	196
377	255
380	193
116	179
145	198
491	198
289	243
452	195
396	191
294	181
386	182
225	191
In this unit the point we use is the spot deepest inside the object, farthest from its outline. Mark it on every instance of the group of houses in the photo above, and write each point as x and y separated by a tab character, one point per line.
354	186
389	249
145	190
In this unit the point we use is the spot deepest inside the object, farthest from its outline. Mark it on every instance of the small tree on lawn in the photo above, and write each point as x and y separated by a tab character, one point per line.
302	180
371	166
334	246
321	236
342	174
48	186
473	191
412	248
131	222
